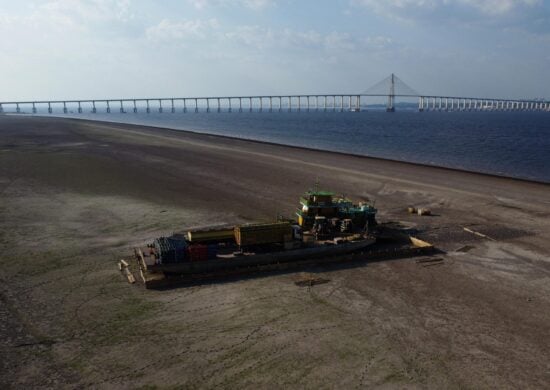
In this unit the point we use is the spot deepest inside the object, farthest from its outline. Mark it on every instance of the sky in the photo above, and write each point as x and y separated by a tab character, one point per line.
94	49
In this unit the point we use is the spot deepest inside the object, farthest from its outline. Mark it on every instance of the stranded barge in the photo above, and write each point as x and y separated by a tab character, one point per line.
327	227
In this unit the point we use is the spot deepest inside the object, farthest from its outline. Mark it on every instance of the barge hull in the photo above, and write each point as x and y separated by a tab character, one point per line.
261	259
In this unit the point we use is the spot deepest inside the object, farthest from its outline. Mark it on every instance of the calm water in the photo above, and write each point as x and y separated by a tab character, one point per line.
514	144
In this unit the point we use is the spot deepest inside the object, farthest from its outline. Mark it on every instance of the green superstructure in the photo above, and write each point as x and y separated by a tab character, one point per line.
318	205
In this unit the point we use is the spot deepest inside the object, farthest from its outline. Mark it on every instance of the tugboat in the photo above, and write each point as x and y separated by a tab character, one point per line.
327	226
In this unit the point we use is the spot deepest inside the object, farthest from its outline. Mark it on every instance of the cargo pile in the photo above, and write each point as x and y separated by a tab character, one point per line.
326	226
198	252
265	233
170	250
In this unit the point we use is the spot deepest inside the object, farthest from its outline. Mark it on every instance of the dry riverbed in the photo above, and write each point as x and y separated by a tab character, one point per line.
75	196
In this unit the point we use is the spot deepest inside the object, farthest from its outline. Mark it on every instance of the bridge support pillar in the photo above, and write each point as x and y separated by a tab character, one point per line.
250	104
108	107
229	109
280	104
135	107
94	109
184	105
33	108
160	106
271	104
65	111
122	108
172	107
148	109
240	105
1	109
219	107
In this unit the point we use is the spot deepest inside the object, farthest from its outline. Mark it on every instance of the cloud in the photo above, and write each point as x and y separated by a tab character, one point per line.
86	10
252	4
377	42
499	7
167	30
412	9
66	16
289	39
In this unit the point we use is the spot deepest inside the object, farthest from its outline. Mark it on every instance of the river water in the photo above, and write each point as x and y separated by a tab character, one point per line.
515	144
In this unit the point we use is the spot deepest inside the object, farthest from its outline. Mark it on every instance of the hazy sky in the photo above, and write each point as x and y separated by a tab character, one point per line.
64	49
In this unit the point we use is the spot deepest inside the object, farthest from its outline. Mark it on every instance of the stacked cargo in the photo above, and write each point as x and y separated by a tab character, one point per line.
266	233
198	252
212	251
170	250
210	235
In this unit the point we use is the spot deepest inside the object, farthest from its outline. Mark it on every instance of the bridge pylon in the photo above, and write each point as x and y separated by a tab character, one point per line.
391	97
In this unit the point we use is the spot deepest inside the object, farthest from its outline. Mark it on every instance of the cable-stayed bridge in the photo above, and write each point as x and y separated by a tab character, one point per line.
390	89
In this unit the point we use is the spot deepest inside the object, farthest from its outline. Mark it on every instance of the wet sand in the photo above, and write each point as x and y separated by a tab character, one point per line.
76	195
